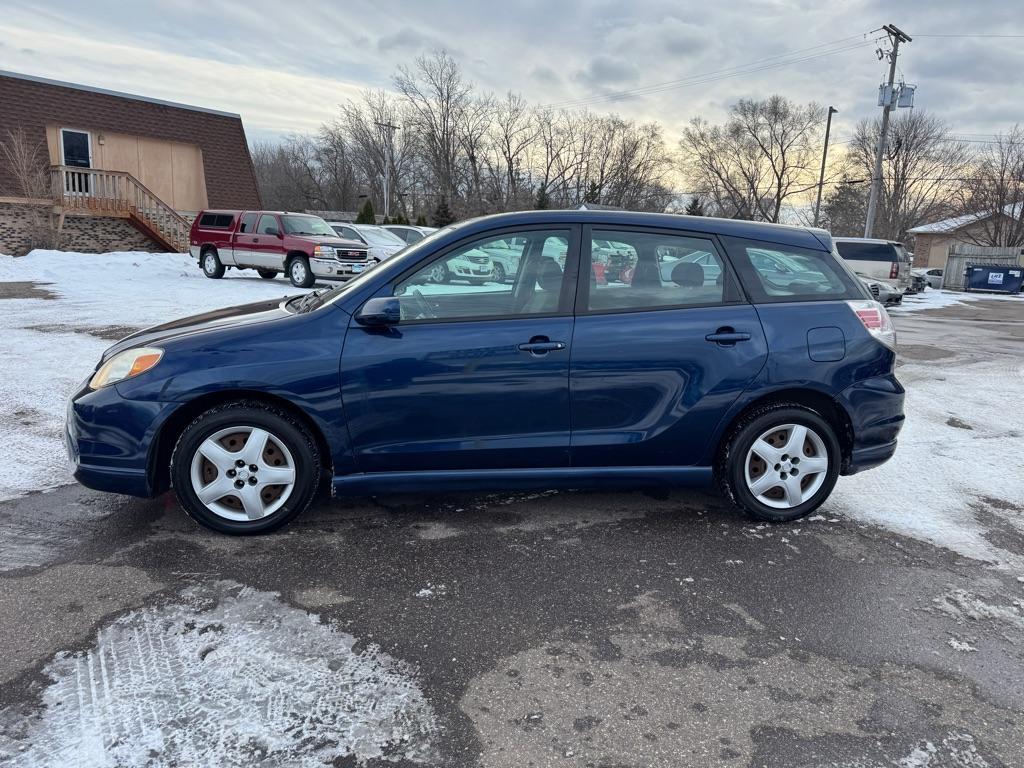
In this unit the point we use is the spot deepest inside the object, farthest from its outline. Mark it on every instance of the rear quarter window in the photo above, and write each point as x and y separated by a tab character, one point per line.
216	220
780	273
867	251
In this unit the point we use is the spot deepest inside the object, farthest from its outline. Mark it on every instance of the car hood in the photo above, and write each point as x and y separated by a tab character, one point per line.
336	242
245	314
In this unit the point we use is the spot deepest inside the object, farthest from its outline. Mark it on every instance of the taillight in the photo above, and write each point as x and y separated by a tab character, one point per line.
894	271
876	320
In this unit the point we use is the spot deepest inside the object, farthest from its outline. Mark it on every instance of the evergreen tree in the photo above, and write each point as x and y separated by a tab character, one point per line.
442	214
593	194
695	207
366	214
844	209
421	221
543	200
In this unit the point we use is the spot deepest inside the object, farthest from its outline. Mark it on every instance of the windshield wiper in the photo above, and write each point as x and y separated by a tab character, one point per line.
310	301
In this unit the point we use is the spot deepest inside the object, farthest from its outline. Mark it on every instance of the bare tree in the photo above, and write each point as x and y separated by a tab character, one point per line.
512	132
921	170
26	162
994	193
438	98
758	161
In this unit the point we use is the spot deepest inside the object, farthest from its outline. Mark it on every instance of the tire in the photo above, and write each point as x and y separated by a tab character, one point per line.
798	489
211	265
267	274
499	273
288	446
439	273
299	272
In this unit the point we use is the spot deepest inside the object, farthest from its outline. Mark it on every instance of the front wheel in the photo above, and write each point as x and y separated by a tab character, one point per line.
299	272
245	468
267	274
779	463
212	266
499	273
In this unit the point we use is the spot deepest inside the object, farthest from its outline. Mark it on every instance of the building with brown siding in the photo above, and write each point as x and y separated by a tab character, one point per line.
138	167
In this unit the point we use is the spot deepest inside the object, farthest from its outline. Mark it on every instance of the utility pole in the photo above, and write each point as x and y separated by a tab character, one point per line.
897	36
389	161
824	157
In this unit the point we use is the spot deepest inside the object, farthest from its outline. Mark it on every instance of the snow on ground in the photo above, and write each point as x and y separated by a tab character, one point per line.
960	450
223	676
49	346
938	299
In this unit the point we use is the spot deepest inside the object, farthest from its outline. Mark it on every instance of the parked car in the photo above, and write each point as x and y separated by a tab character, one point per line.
409	233
771	388
271	242
382	244
474	267
709	264
882	291
880	259
932	276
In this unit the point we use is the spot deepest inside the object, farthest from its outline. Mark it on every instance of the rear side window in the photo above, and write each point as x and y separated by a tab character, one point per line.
777	273
855	251
652	270
216	220
248	223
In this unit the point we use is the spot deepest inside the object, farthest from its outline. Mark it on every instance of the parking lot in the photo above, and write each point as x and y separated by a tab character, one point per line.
559	628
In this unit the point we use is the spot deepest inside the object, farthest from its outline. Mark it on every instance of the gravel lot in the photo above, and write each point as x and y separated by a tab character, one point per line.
571	628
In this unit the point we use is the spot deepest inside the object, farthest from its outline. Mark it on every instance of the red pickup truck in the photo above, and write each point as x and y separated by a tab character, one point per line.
303	247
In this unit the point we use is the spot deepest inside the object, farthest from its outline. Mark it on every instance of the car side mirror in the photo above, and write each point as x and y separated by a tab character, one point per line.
381	311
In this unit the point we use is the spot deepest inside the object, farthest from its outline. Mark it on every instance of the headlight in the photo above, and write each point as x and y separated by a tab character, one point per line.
125	365
324	252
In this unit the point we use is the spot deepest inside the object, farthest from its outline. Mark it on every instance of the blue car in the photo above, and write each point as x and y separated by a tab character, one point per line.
771	384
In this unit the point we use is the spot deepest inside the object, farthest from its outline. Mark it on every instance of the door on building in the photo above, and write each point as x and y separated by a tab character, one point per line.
76	152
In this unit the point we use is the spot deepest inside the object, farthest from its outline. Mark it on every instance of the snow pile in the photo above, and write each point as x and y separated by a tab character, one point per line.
227	676
50	346
939	299
941	469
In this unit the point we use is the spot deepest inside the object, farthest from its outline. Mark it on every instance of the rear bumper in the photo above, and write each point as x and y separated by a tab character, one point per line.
875	407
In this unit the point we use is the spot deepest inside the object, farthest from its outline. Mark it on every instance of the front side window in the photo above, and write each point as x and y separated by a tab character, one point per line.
350	234
464	284
267	225
773	272
649	270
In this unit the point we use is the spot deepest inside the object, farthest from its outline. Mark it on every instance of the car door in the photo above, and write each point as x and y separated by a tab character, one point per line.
266	250
657	362
242	245
473	376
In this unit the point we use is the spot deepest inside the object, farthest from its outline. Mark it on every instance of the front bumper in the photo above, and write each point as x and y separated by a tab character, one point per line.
875	407
332	269
108	440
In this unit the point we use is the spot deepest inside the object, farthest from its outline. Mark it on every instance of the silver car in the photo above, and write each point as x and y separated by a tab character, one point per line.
882	291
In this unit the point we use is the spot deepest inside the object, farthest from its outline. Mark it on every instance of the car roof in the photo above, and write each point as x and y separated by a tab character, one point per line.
875	240
782	234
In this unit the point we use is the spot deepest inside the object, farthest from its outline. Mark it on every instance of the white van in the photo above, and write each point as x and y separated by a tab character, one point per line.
878	259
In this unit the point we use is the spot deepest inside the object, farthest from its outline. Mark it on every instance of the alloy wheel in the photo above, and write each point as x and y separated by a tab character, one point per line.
786	466
298	271
243	473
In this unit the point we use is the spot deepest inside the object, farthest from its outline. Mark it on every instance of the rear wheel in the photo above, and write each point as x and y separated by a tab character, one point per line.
499	272
299	272
211	264
439	273
245	468
779	463
267	274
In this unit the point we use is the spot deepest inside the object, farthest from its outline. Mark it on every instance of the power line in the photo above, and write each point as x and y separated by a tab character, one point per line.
1010	37
757	65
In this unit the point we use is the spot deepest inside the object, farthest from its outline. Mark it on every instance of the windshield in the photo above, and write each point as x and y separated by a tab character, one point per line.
379	236
306	225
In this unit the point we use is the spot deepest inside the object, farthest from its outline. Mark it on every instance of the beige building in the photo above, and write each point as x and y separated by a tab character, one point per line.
932	242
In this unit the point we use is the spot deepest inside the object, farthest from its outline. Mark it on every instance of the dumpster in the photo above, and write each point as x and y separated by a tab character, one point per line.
995	278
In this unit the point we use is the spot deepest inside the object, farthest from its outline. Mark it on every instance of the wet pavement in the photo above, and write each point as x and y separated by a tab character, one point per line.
565	629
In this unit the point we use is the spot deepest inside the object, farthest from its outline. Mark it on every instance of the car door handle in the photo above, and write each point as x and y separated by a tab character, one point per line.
541	347
726	336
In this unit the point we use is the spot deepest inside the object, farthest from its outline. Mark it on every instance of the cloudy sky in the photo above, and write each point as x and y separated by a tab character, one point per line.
286	66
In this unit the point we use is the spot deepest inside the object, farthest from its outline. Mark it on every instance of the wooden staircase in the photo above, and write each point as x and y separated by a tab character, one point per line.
119	194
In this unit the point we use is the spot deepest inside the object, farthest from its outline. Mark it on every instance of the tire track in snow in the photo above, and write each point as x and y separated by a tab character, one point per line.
225	676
